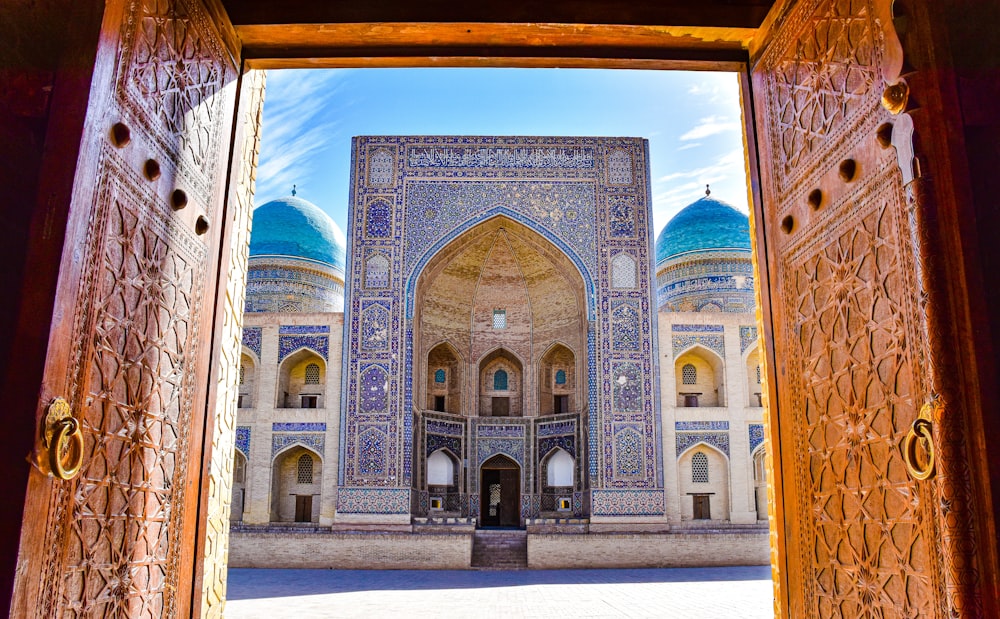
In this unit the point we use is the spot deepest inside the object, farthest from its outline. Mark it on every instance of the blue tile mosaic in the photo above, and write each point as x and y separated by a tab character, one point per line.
678	328
436	426
681	343
243	439
500	431
748	337
373	500
717	439
251	339
556	428
436	441
566	443
302	329
627	502
287	344
756	431
298	426
682	426
315	442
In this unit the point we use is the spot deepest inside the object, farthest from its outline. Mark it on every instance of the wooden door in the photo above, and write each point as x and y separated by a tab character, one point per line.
701	507
848	251
132	329
303	508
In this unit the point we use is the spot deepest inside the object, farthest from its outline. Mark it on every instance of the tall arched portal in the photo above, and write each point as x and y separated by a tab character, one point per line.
501	499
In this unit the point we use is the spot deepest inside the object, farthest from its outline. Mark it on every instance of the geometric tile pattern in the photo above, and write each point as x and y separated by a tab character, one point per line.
748	336
315	442
684	440
436	188
756	431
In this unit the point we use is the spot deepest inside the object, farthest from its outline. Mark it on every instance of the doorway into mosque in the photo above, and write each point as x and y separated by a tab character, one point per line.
500	496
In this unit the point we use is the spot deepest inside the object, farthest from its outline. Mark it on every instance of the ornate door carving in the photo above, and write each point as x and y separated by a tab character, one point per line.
132	328
853	348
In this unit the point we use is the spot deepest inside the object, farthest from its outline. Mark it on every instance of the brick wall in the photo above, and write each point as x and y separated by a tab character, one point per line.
647	550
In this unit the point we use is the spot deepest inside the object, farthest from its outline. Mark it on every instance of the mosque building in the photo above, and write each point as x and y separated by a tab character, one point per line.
499	344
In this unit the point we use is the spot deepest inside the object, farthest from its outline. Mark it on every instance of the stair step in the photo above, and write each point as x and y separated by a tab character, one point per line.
500	549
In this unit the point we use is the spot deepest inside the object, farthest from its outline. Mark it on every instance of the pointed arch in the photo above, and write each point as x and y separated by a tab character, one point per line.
709	374
295	389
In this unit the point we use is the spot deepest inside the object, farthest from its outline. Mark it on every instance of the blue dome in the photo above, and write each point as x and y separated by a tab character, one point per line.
294	228
707	224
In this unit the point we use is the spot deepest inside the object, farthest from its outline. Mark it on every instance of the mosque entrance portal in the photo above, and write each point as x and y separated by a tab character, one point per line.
500	493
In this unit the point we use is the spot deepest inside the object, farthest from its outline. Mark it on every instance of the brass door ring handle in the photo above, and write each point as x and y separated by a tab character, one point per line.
62	442
920	429
66	467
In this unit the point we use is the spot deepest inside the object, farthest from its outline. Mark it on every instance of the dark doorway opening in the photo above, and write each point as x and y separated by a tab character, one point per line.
561	404
501	407
439	403
500	493
303	507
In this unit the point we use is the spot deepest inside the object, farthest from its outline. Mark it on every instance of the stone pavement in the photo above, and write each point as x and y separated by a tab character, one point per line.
719	592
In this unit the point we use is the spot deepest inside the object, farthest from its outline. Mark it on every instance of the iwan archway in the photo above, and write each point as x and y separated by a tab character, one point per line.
830	111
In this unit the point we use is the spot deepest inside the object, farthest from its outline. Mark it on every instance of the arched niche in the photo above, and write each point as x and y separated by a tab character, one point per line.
501	385
239	487
444	379
557	384
444	474
703	479
758	459
700	378
557	478
754	377
296	479
302	380
500	492
247	381
498	284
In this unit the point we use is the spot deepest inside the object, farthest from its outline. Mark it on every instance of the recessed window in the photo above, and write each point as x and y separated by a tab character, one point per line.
304	472
699	468
560	377
312	374
499	319
758	374
500	380
243	374
439	376
689	375
310	401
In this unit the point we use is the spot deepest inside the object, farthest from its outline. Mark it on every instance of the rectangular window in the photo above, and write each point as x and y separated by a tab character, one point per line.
241	401
310	401
561	404
500	407
439	403
499	319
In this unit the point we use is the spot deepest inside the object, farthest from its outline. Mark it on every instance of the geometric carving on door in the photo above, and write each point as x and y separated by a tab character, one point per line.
121	518
853	339
820	82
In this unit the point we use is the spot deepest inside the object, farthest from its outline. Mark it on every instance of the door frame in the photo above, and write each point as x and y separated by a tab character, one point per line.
483	468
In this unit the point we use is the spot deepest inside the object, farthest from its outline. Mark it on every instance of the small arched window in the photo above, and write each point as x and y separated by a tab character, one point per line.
500	381
312	374
699	468
304	472
689	375
560	377
439	376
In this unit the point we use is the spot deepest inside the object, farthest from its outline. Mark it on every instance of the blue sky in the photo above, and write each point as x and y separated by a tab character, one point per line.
691	119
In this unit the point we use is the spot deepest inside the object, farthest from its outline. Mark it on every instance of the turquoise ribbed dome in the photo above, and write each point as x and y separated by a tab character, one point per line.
706	224
294	228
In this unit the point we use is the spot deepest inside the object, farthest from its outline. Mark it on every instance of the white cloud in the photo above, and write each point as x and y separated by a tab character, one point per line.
710	125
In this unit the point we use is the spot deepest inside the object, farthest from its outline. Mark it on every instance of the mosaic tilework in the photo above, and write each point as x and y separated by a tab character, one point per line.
748	337
373	397
302	329
436	441
499	157
243	439
500	431
682	426
623	271
371	453
567	443
718	439
628	452
627	502
563	189
756	431
577	504
316	442
287	344
679	328
544	204
381	167
555	428
373	500
436	426
625	325
627	385
276	284
374	326
377	271
378	219
680	343
489	447
251	339
691	281
298	426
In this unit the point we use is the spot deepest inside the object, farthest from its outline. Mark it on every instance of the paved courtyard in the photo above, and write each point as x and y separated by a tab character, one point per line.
716	593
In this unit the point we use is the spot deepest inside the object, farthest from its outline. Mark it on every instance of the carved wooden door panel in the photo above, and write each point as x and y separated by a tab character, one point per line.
851	366
132	329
